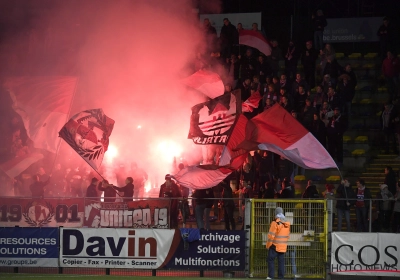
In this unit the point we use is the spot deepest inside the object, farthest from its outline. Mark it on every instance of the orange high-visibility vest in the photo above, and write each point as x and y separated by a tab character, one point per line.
278	235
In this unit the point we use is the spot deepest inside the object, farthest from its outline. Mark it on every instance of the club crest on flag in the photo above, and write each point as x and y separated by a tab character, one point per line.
88	134
211	122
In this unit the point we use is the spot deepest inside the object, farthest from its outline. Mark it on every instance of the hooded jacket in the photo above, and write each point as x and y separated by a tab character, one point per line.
278	235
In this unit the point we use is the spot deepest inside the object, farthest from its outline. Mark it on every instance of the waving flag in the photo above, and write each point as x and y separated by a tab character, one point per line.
256	40
211	122
252	102
207	82
88	133
43	104
202	176
277	131
15	166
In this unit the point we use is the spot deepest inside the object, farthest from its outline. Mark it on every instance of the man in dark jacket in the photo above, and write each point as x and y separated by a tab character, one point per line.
308	58
319	23
91	191
346	196
336	127
171	190
229	36
229	205
128	189
37	187
363	195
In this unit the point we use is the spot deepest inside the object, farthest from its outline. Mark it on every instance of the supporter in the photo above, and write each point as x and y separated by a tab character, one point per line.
353	78
275	57
325	53
282	93
285	104
38	187
217	191
299	81
278	236
308	58
245	89
346	92
318	23
318	129
391	70
229	36
265	168
268	103
300	98
291	60
326	83
310	191
262	67
332	68
284	83
140	177
109	192
284	168
337	126
287	191
171	190
384	207
276	83
326	112
271	94
345	196
229	206
385	33
210	35
248	65
396	211
363	195
306	115
91	191
329	194
233	65
334	98
319	98
390	179
209	204
239	27
388	126
128	189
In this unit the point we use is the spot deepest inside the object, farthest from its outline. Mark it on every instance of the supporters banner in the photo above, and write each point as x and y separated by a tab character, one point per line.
152	213
369	254
212	122
48	212
88	133
22	247
213	250
117	248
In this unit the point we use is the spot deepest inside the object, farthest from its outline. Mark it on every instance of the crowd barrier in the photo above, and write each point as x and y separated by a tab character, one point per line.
134	237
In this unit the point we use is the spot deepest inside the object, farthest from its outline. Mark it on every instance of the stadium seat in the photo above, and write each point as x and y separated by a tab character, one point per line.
369	66
361	139
346	138
366	101
339	55
370	55
317	178
299	178
331	179
358	152
382	89
355	55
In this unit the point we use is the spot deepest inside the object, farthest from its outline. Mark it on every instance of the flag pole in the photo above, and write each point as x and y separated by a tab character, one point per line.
66	120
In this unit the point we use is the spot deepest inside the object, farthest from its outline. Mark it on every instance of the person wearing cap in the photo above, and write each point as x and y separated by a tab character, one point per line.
278	236
171	190
91	191
128	189
384	207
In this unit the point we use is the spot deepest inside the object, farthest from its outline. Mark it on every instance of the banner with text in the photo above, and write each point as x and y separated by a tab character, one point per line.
152	213
370	254
214	249
21	247
48	212
349	30
117	248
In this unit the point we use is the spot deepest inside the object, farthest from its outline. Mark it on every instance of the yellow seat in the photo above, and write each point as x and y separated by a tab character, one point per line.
358	152
299	178
369	66
382	89
355	55
370	55
366	101
333	179
361	139
339	55
346	138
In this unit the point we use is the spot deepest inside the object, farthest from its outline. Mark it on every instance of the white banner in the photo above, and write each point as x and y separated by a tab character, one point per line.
116	248
372	254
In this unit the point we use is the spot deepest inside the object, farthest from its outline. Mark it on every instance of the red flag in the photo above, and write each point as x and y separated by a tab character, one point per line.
88	134
256	40
43	104
277	131
207	82
252	102
202	176
15	166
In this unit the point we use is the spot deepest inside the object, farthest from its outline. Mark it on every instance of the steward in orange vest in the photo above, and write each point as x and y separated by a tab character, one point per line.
278	237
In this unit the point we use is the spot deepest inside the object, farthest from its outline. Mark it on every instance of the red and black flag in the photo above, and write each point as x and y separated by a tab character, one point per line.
212	122
88	133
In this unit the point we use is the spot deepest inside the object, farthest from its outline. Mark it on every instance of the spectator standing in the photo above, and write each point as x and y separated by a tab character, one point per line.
171	190
332	68
385	34
128	189
391	69
38	187
308	59
384	207
275	57
229	206
390	179
346	92
396	211
388	126
287	191
345	196
291	60
278	236
363	195
209	204
91	191
329	194
109	192
319	23
211	36
318	129
337	126
319	98
229	36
